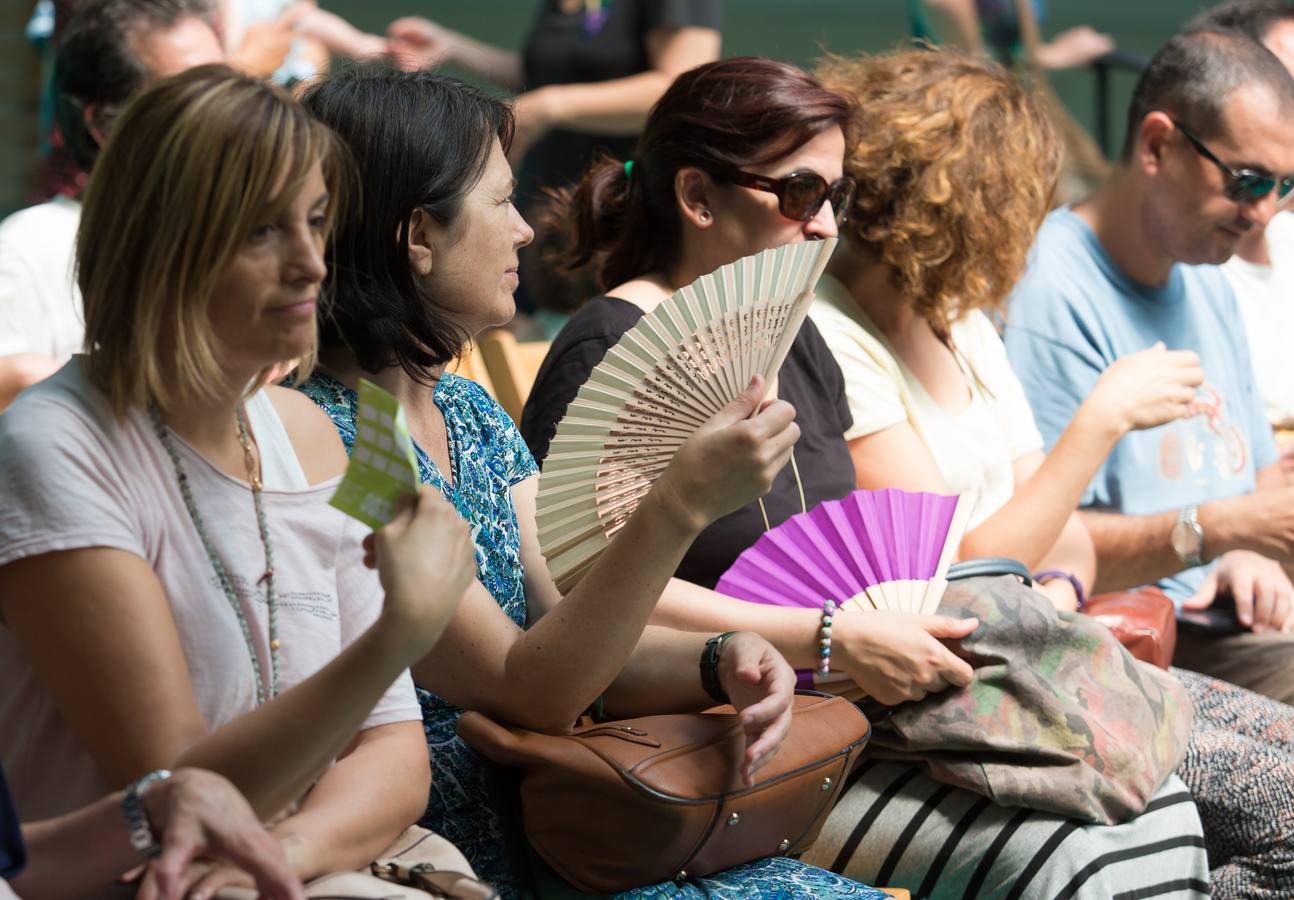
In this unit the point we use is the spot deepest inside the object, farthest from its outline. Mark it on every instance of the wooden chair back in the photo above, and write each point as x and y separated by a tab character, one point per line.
471	365
512	366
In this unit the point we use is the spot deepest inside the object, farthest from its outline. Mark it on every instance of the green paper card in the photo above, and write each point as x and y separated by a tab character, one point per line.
382	462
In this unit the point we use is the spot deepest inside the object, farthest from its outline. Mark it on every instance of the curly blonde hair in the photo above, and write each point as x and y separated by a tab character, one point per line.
956	164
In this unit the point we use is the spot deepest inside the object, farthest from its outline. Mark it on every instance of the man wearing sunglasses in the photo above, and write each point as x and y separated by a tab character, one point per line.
1262	271
1199	506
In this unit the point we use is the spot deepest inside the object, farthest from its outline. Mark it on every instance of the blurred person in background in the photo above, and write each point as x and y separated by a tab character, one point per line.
109	50
995	27
290	41
588	74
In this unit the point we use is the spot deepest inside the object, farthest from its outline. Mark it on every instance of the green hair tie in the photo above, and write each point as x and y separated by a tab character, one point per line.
629	169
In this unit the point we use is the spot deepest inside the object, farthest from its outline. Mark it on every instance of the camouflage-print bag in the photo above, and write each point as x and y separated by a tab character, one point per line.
1058	717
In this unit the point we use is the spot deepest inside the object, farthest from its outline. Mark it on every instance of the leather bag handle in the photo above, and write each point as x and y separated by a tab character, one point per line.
990	566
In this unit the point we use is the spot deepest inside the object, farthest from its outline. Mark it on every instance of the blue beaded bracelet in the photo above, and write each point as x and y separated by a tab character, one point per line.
824	639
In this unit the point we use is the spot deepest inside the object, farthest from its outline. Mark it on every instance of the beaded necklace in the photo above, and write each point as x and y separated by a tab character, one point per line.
271	595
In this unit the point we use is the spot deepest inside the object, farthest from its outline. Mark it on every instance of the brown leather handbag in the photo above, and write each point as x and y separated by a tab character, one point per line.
618	805
1144	621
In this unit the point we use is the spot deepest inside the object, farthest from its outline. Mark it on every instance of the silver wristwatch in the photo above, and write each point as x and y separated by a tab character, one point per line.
1188	537
137	824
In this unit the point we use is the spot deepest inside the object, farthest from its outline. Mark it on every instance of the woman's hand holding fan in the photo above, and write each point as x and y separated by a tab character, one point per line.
896	657
730	461
670	375
871	552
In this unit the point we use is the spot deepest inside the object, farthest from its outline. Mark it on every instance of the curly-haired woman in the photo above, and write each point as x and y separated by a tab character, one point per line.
956	165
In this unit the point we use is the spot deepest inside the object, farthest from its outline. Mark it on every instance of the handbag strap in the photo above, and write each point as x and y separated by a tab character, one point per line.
990	566
799	486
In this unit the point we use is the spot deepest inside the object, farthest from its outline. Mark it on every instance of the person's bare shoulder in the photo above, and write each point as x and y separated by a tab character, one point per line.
313	435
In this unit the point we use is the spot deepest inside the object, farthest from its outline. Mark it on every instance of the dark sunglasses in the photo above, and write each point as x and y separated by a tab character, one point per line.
1243	185
801	194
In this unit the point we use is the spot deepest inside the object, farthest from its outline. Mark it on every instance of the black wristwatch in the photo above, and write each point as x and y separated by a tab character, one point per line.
710	657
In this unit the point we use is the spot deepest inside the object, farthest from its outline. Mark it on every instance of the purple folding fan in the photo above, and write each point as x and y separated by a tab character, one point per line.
885	549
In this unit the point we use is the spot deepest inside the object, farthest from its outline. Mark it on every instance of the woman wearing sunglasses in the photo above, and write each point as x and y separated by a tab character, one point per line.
969	847
738	156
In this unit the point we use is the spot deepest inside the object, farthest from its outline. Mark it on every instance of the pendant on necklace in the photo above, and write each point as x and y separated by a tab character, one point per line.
275	644
269	573
595	16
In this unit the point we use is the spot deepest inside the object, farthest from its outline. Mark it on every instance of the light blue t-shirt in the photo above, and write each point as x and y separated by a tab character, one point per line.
1075	312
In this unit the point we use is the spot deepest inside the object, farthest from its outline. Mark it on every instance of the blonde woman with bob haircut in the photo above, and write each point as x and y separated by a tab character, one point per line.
174	589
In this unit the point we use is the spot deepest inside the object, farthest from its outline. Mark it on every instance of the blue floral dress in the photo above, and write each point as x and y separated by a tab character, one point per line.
488	457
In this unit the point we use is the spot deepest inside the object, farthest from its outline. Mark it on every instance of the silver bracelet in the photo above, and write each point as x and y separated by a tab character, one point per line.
138	827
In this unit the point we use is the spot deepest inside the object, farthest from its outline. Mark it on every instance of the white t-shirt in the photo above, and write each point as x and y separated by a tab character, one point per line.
75	477
40	303
1266	298
974	449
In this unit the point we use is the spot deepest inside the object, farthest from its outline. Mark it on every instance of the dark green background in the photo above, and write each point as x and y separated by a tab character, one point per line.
799	29
792	29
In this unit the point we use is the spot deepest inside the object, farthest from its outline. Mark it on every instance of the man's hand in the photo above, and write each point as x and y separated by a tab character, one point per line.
1262	592
761	686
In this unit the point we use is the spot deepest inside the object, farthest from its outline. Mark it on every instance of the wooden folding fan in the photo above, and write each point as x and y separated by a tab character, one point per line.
670	373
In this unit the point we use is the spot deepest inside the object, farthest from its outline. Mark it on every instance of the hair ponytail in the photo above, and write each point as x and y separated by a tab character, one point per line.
595	215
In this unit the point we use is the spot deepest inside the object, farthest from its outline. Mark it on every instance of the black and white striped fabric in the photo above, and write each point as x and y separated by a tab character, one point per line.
895	826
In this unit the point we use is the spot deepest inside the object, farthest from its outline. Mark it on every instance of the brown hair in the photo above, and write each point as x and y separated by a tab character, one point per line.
193	166
956	165
719	117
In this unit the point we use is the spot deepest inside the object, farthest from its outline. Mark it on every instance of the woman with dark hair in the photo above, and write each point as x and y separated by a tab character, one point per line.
588	74
676	213
678	210
427	262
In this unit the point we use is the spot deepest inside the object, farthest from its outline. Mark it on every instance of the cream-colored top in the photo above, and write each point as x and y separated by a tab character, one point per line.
975	448
74	476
